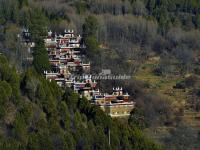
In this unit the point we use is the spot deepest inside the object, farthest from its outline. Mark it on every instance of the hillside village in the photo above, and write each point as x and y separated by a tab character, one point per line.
70	69
50	96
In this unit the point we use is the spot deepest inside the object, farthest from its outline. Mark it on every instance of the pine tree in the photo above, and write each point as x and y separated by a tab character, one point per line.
198	21
90	26
40	57
151	5
38	24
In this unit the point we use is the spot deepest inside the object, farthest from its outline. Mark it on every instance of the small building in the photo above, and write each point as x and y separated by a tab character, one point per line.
116	104
118	108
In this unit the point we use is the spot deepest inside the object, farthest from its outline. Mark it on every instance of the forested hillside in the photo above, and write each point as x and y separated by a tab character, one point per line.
157	42
37	114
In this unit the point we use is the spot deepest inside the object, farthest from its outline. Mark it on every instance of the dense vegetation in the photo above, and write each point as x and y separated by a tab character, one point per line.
121	35
37	114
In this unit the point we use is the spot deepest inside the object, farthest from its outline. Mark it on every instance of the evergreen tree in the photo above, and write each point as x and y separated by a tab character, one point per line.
23	3
38	24
198	21
151	5
40	57
90	27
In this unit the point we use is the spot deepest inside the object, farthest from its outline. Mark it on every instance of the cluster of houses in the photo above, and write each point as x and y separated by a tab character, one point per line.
67	58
